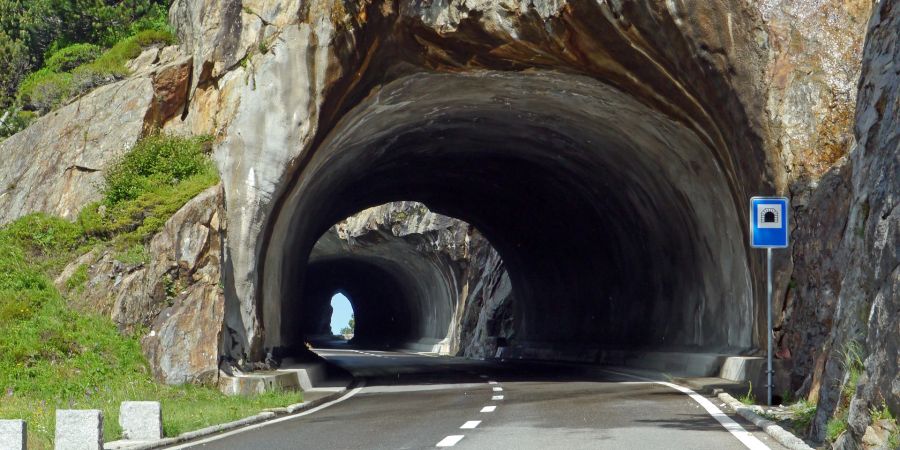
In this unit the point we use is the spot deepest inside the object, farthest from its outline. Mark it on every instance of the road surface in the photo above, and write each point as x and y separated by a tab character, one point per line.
414	401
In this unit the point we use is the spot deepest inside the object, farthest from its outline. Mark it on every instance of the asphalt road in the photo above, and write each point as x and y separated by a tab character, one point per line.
412	401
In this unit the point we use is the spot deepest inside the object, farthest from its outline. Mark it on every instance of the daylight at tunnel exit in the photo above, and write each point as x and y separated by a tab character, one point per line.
478	224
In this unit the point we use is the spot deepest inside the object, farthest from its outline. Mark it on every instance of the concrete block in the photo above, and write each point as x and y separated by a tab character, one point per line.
79	429
740	368
141	421
13	435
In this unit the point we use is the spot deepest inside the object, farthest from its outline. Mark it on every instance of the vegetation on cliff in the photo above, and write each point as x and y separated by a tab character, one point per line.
51	51
52	356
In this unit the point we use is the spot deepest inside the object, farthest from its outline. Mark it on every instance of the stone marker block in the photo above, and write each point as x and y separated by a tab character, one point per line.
79	429
141	421
13	435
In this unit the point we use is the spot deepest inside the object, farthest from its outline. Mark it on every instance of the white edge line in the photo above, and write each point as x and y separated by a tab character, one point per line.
270	422
450	441
746	438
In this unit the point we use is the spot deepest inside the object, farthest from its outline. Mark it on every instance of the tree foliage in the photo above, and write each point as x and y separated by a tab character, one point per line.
14	66
351	327
53	37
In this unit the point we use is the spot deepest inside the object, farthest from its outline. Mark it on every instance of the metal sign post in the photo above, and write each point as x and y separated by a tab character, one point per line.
769	370
768	230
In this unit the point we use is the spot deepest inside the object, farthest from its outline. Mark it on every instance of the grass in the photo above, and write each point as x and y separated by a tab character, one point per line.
54	357
883	413
852	362
836	426
748	398
78	279
803	414
135	255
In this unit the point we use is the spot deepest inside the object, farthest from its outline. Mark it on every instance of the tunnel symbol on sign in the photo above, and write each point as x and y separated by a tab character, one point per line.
769	216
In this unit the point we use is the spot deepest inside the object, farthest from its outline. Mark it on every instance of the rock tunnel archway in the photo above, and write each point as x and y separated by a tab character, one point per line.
618	226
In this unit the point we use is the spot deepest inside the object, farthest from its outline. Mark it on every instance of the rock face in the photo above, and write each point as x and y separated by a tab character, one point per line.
869	296
176	296
695	106
56	164
486	323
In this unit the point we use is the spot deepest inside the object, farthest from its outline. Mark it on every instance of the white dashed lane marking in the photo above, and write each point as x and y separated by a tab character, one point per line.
450	441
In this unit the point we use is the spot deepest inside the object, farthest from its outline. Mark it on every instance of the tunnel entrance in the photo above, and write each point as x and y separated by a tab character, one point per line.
618	227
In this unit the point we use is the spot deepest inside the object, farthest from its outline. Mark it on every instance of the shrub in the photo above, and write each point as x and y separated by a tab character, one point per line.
72	56
14	120
44	90
144	188
147	38
156	161
14	66
110	66
96	74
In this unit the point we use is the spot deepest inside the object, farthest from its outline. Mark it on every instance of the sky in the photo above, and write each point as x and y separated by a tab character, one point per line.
342	312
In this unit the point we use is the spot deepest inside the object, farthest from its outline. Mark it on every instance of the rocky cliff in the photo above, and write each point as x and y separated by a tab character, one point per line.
769	91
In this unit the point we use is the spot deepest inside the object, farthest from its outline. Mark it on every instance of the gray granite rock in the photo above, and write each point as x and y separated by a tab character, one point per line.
13	435
79	429
141	421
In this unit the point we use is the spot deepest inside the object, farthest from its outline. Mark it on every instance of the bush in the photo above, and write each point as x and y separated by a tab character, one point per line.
110	66
44	90
96	74
147	38
72	56
143	189
14	66
155	161
14	120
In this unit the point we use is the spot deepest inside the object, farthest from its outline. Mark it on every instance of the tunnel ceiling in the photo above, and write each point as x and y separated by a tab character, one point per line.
617	224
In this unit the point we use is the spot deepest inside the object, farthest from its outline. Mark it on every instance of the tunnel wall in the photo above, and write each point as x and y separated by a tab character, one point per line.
610	217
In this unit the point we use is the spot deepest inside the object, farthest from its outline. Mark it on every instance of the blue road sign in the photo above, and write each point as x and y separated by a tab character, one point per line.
768	222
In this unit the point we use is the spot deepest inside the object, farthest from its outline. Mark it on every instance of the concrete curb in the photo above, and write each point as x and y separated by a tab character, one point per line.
215	429
778	433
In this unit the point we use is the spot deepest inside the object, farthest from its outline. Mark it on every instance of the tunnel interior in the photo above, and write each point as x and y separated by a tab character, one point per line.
379	300
617	225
